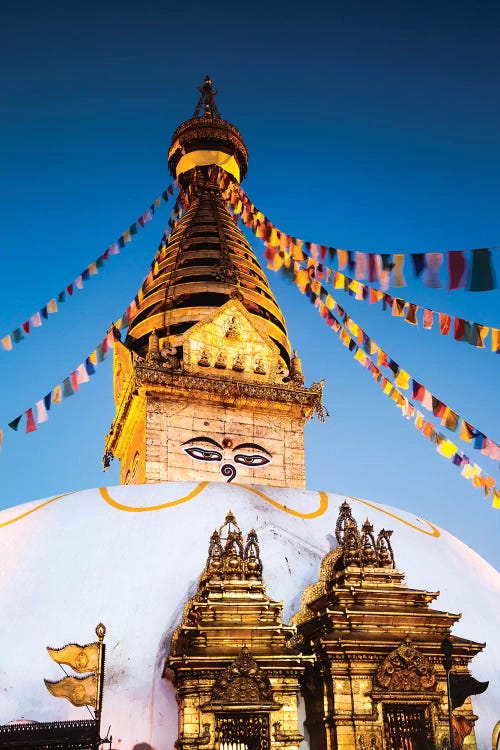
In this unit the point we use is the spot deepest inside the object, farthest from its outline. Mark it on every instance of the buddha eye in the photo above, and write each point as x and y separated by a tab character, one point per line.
254	460
203	454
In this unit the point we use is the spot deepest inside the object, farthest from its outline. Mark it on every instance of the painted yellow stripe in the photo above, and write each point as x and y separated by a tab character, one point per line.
434	530
38	507
204	158
323	503
143	509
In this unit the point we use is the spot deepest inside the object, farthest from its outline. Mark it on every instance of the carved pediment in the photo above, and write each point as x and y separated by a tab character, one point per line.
243	682
405	669
230	339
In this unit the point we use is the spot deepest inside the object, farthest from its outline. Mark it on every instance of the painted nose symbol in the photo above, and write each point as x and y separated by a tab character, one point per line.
228	470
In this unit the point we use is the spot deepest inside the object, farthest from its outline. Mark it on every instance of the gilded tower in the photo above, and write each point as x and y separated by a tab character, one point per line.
205	382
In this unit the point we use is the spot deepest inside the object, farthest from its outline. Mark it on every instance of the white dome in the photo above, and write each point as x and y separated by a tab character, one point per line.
130	556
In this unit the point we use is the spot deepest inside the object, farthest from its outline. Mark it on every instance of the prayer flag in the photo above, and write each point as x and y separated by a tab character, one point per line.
67	390
7	343
52	306
342	259
79	282
80	691
30	421
433	264
456	269
418	260
92	269
411	315
89	367
36	320
57	394
26	326
444	323
398	279
47	401
428	318
79	658
17	335
15	423
81	374
482	277
41	412
403	379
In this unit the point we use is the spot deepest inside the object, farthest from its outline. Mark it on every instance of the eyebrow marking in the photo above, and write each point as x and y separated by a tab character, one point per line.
203	440
253	446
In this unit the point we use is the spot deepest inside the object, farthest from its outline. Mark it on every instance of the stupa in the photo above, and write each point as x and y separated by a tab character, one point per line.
242	611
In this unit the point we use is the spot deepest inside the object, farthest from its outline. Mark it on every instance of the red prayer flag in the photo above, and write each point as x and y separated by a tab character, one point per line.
456	269
74	380
30	421
26	326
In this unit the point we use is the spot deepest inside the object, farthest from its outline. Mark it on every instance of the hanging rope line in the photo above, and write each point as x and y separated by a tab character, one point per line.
466	331
466	269
305	279
469	470
52	306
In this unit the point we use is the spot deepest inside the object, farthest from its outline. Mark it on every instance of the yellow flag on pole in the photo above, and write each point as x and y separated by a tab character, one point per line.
80	691
79	658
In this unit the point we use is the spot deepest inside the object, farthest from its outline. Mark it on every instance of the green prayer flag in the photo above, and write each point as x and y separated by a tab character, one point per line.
61	297
133	228
17	335
67	389
15	423
100	262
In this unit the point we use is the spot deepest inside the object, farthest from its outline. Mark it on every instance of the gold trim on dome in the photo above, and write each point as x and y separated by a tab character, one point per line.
322	508
38	507
435	532
103	491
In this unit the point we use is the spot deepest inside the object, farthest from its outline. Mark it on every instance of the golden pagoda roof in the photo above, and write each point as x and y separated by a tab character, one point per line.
206	260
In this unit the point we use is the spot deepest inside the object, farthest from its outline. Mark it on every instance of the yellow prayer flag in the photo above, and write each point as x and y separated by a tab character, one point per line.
360	356
80	691
92	269
352	327
157	201
419	420
57	395
79	658
330	302
496	498
7	343
127	236
338	280
52	306
495	339
296	252
403	379
448	449
387	386
93	357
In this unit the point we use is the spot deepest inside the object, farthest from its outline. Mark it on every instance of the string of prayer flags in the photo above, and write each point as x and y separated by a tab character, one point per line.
52	306
472	269
312	288
38	414
450	419
444	447
466	331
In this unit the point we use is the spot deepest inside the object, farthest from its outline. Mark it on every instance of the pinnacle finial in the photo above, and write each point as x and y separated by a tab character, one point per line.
207	100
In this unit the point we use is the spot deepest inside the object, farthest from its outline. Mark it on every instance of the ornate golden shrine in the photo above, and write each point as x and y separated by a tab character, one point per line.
232	660
379	681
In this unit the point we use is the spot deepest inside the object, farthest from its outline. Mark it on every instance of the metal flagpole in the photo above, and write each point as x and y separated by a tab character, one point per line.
447	650
100	632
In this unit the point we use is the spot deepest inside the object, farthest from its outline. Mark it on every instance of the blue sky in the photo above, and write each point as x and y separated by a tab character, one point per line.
370	126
